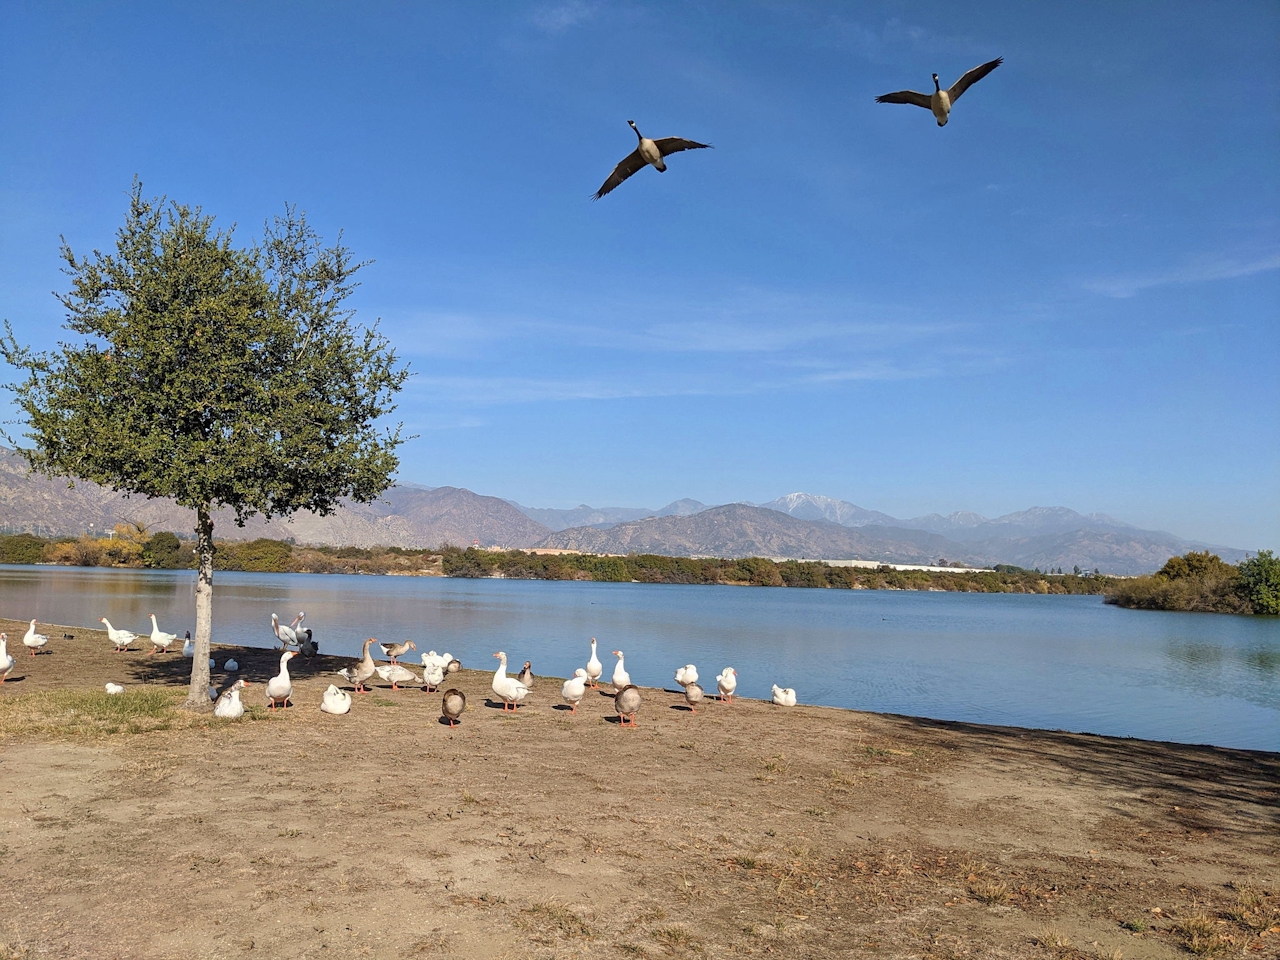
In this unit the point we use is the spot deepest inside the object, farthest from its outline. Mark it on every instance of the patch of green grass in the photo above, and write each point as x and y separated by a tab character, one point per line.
382	702
745	862
95	713
1136	926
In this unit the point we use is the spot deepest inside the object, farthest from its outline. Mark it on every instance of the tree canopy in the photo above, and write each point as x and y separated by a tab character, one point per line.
216	375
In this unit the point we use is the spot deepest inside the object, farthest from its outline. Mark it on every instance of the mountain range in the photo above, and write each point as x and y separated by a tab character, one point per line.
798	525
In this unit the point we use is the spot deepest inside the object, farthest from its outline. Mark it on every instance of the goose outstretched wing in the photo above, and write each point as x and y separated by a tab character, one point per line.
669	145
906	96
629	165
972	77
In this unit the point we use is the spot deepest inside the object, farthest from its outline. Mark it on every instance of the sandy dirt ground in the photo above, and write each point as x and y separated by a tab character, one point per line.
130	829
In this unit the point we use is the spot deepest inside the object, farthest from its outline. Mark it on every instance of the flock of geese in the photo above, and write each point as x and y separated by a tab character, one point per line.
652	153
510	690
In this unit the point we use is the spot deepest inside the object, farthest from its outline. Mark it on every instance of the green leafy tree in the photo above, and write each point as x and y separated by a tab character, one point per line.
164	551
220	376
1260	582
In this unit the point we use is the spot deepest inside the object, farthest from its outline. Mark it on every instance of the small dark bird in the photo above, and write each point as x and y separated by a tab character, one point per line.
452	705
626	702
649	152
941	101
68	636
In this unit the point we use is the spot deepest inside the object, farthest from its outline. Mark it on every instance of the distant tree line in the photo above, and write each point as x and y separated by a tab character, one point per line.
1203	582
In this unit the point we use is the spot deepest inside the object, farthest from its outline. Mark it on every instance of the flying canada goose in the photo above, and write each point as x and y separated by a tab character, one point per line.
941	101
650	152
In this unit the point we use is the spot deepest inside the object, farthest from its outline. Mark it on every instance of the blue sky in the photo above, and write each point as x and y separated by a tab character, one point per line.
1069	295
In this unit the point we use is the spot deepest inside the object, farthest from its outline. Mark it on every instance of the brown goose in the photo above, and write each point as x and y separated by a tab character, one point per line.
941	101
648	152
453	704
626	702
526	675
360	670
394	650
692	696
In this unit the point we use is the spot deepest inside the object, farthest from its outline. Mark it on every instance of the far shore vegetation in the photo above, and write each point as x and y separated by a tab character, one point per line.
129	546
1202	582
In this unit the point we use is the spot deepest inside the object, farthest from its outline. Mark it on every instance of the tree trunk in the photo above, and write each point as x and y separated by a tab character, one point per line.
198	696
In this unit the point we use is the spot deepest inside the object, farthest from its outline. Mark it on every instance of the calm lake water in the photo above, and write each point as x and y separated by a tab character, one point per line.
1052	662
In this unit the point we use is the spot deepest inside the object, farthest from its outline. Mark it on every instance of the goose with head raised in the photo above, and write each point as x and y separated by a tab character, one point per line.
594	667
335	701
784	696
626	702
361	670
188	646
34	641
941	101
228	706
574	689
452	705
159	639
650	152
6	658
620	677
120	639
526	674
509	690
280	687
726	683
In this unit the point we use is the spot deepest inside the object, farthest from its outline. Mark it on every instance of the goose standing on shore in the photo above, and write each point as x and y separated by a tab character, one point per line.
34	641
452	705
574	689
159	639
726	683
693	696
393	651
121	638
432	674
6	658
594	667
626	702
335	701
526	674
649	152
620	676
280	687
686	675
361	670
941	101
188	646
784	696
509	690
229	706
396	674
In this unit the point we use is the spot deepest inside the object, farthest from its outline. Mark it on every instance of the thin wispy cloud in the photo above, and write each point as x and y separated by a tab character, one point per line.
1197	271
559	17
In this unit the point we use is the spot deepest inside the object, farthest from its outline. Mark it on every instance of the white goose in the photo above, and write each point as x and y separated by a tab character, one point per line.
231	666
229	706
594	667
620	677
726	683
114	689
509	690
280	687
121	638
445	660
686	675
574	689
941	101
648	152
159	639
432	673
784	696
6	658
396	674
34	641
335	701
188	646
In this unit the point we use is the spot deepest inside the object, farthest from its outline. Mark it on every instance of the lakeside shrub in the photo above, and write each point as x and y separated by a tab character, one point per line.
21	548
1260	582
1197	582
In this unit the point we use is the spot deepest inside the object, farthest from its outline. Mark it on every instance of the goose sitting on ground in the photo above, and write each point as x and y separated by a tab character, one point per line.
335	701
526	674
287	636
620	676
6	658
443	659
231	666
452	705
280	687
649	152
114	689
626	702
120	638
726	683
594	667
394	650
692	696
941	101
188	647
509	690
396	674
34	641
159	639
454	666
361	670
432	674
574	689
686	675
784	696
228	706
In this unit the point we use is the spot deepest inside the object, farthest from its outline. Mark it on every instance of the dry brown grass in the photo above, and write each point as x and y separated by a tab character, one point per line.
1201	934
94	714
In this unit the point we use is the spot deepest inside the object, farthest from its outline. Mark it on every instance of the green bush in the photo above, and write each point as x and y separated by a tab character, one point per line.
164	552
1260	582
21	548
